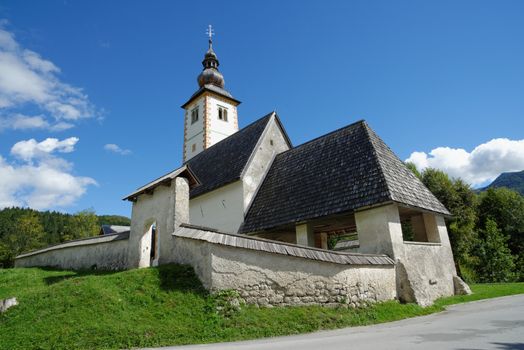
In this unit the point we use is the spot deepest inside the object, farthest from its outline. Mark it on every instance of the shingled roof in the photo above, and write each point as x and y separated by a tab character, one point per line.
224	162
342	171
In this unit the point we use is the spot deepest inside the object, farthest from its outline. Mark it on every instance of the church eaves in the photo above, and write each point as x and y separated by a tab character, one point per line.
343	171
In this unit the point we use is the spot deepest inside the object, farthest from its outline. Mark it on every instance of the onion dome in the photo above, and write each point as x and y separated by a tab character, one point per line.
210	74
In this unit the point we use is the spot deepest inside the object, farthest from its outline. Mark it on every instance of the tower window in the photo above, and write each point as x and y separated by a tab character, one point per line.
193	147
194	115
222	113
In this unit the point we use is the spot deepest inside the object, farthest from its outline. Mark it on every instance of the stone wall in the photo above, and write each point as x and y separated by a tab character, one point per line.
270	279
108	252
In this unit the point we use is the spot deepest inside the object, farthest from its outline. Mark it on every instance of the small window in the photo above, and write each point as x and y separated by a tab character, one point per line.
194	115
193	147
222	113
271	142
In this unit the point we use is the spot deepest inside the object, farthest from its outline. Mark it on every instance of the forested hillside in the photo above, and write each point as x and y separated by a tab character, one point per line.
23	229
514	181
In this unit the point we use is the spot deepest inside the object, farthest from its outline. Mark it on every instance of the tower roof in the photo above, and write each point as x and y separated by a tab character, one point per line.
210	79
210	74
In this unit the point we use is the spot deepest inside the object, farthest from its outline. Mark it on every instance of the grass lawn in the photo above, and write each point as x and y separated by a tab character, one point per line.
165	306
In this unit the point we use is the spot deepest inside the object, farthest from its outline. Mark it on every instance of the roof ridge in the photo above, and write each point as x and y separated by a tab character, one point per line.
360	121
368	131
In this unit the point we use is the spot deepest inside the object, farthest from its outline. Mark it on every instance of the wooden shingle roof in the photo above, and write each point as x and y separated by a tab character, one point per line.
224	162
342	171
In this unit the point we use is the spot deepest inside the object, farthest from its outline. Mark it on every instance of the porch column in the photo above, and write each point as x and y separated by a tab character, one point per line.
305	235
324	240
379	231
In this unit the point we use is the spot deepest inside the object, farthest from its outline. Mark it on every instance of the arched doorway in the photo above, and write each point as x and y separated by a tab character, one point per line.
149	244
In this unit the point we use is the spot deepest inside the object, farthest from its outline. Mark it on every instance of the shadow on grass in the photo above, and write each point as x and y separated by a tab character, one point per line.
181	278
172	277
69	274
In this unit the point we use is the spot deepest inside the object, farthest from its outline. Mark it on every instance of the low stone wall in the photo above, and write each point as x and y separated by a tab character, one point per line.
108	252
276	279
270	279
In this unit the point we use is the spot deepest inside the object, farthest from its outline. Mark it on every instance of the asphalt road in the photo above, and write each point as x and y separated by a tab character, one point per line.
488	324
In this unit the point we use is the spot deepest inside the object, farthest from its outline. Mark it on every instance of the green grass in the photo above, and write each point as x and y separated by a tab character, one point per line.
165	306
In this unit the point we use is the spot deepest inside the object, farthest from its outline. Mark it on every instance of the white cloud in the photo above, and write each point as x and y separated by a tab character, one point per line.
484	163
30	149
27	79
111	147
41	180
25	122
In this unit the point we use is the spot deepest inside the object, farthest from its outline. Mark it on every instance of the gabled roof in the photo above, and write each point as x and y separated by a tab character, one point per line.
164	180
224	162
342	171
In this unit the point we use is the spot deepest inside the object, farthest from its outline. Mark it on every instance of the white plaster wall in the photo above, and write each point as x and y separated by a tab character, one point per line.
219	129
88	253
196	254
424	270
430	270
221	209
379	230
262	160
156	207
194	133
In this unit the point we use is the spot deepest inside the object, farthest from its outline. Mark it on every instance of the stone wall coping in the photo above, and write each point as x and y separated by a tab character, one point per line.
276	247
78	242
431	244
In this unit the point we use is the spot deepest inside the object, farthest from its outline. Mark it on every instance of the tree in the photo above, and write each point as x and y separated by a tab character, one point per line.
82	225
506	208
27	234
495	262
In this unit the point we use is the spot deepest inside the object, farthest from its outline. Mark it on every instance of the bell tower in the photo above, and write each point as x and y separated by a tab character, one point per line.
211	112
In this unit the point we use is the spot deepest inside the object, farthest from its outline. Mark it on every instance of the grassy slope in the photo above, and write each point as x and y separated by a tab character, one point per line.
163	306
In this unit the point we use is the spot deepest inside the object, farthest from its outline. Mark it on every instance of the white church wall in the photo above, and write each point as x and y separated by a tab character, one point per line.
194	133
221	209
219	129
270	144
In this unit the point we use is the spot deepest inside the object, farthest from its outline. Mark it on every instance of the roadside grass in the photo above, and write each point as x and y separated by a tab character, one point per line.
163	306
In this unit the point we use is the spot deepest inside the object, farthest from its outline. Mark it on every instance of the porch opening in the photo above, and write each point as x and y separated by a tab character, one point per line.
418	226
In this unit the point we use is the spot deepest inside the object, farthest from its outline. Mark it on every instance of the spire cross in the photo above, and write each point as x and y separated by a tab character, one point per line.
210	32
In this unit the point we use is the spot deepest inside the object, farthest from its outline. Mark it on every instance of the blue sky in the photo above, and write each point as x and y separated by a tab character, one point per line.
443	79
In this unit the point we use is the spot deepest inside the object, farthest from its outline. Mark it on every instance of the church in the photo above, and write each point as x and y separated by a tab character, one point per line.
250	211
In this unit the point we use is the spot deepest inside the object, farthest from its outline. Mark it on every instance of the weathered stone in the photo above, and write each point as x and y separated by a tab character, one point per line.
263	301
276	299
7	303
461	287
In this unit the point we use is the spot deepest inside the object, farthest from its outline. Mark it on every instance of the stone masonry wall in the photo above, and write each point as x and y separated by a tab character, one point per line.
268	279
